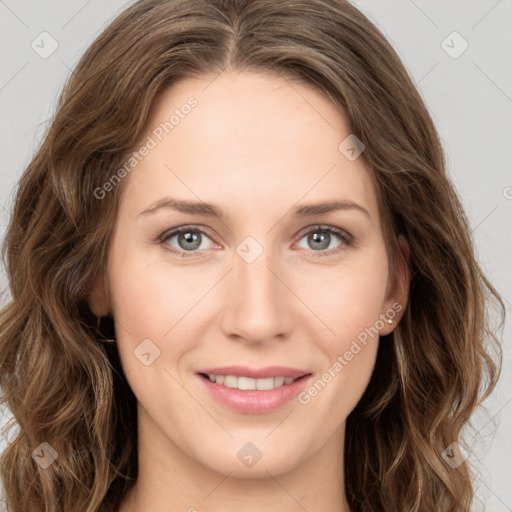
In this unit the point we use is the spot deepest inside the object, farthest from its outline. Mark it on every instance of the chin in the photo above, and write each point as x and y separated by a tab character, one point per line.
252	459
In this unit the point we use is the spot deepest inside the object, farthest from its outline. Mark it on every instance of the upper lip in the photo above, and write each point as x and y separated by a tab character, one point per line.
256	373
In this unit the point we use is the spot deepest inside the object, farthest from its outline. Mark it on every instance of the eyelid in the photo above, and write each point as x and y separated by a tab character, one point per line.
171	233
326	227
191	227
346	238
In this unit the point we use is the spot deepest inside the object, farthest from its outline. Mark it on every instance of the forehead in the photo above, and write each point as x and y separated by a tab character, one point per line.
242	139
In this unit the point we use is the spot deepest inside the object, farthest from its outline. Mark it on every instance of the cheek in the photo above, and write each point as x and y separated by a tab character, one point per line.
140	305
147	302
350	306
351	309
149	297
350	299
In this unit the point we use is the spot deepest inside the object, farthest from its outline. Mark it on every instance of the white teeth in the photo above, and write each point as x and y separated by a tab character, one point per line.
230	381
247	383
264	384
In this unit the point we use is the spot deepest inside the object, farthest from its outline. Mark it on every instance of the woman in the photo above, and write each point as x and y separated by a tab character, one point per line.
241	277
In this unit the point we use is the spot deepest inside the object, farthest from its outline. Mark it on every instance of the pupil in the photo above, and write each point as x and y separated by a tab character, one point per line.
190	239
320	238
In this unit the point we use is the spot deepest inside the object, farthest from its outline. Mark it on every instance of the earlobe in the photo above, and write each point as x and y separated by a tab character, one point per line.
400	290
97	298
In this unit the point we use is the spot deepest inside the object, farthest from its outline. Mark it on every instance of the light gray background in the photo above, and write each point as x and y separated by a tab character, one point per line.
469	97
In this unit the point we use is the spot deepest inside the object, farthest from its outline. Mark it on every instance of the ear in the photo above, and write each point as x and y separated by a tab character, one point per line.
398	291
97	298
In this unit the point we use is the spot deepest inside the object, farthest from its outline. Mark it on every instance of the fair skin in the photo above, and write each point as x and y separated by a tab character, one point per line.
257	147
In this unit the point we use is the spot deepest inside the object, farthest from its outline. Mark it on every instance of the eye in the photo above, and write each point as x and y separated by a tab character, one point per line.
321	238
191	240
186	239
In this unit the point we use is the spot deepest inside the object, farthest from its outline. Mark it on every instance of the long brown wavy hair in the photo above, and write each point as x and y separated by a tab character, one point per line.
64	384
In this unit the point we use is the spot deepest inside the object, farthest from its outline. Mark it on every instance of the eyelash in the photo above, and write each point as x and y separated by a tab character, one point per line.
346	238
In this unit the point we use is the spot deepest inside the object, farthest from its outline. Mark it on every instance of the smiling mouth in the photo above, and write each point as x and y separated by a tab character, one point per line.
250	384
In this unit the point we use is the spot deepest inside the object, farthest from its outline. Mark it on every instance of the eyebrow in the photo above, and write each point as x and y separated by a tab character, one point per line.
207	209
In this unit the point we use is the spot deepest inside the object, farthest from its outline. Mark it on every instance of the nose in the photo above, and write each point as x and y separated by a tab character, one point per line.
257	305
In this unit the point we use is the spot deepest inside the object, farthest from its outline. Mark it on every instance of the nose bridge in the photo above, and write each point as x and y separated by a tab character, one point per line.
255	280
256	303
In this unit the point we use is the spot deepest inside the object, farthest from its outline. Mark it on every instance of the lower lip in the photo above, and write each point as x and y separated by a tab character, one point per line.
254	401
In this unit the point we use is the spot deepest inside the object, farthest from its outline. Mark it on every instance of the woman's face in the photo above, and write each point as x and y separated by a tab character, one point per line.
258	278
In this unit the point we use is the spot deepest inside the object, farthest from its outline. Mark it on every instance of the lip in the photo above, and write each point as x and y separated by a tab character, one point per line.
261	373
255	401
